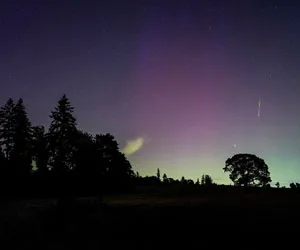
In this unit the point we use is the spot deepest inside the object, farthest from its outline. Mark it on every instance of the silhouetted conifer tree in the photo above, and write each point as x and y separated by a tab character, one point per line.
7	124
158	174
62	136
21	154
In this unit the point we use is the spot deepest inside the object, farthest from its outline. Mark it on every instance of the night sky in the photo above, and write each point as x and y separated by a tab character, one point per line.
177	82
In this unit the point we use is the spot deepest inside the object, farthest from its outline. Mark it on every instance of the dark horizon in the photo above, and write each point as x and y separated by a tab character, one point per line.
178	84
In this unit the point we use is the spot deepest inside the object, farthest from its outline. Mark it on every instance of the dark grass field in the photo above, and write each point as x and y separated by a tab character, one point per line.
153	218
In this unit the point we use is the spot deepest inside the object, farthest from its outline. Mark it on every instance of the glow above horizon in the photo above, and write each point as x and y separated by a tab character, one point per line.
185	78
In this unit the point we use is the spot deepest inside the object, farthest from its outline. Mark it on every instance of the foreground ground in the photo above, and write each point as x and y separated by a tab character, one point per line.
158	218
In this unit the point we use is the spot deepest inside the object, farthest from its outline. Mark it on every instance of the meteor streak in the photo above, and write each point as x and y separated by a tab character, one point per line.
259	104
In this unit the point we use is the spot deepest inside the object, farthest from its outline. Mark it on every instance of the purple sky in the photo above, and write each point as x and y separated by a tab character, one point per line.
184	77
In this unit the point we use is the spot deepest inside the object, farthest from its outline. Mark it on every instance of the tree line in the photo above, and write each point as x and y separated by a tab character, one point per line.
64	161
60	161
206	180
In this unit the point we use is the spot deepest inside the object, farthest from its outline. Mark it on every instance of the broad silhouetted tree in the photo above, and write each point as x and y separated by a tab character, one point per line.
277	184
190	182
247	170
116	168
62	136
207	180
295	185
197	182
292	185
121	168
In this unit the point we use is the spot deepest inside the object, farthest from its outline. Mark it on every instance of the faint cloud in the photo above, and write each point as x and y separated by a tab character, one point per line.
133	146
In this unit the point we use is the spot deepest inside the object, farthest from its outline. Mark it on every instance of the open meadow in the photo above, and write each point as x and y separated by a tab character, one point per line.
152	217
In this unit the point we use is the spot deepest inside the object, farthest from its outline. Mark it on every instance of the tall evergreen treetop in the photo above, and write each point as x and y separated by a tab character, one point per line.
62	117
62	135
158	174
15	136
22	129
